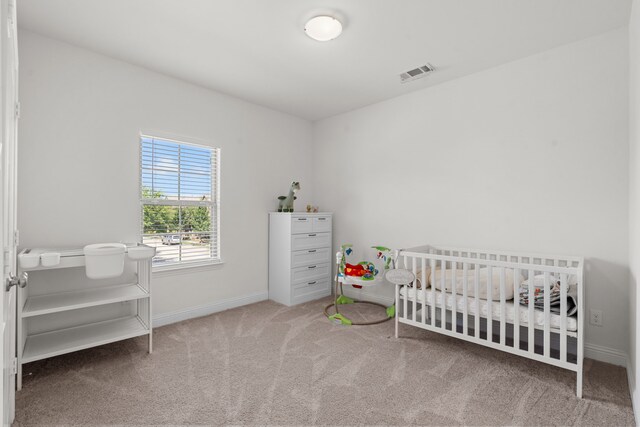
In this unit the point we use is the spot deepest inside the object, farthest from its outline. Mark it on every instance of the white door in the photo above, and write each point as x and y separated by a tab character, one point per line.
8	211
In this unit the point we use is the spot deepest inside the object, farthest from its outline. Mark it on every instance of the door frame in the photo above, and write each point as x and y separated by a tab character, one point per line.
10	110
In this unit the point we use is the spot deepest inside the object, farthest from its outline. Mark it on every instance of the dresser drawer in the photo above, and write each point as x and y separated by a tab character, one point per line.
311	287
309	257
310	273
301	224
310	241
321	224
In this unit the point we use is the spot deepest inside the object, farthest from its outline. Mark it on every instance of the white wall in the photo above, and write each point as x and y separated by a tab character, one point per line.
634	199
78	180
529	156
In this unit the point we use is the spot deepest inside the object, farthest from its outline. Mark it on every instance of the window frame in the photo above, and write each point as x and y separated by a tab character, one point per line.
214	203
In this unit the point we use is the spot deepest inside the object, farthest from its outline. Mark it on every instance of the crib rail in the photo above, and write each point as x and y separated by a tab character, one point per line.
475	295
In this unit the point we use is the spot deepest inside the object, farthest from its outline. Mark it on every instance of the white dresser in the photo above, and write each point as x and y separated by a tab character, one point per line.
299	256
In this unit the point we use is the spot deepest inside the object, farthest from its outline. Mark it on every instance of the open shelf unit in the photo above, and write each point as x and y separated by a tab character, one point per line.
64	301
78	332
55	343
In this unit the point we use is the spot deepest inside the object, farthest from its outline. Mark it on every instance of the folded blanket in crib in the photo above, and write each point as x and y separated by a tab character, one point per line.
554	294
435	280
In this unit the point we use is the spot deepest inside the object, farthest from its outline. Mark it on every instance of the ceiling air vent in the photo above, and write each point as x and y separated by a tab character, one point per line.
416	73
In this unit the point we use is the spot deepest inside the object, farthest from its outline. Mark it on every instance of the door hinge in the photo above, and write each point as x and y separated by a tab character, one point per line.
17	109
14	366
16	238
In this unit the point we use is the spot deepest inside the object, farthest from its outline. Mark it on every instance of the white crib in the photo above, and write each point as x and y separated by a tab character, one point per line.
554	338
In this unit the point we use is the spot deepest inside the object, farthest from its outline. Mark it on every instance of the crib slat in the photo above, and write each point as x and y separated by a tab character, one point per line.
454	296
563	317
547	314
476	285
489	303
531	324
516	308
432	274
415	287
423	290
443	294
503	307
465	310
406	292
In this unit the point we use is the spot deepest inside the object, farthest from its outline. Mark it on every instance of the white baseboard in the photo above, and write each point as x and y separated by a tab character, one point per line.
605	354
207	309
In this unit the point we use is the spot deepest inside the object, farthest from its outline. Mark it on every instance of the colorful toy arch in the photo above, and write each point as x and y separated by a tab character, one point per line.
358	275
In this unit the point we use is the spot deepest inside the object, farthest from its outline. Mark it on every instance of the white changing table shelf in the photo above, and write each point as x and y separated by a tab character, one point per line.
63	301
55	343
34	346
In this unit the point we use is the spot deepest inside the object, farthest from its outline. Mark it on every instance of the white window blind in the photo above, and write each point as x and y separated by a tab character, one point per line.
179	198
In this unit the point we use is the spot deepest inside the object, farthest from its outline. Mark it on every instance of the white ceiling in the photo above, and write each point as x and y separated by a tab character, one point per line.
257	49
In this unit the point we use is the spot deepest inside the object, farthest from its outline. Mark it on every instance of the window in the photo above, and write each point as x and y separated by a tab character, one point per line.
179	198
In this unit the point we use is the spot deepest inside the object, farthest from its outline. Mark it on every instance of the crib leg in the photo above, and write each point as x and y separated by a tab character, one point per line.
579	383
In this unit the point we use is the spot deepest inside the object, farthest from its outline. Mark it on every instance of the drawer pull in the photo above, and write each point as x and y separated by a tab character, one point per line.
312	251
322	219
302	219
312	266
312	235
312	283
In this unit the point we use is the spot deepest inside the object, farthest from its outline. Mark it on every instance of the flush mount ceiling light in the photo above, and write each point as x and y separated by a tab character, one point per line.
323	28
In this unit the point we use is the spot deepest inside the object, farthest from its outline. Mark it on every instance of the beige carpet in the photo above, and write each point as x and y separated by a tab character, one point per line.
269	364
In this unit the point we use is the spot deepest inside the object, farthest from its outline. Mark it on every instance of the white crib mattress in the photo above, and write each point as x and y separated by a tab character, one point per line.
538	316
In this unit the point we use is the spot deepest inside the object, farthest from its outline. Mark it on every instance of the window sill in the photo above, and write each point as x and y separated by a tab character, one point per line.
171	270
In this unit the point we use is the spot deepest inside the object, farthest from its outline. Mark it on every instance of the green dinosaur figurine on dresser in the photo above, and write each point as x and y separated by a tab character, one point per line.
286	202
